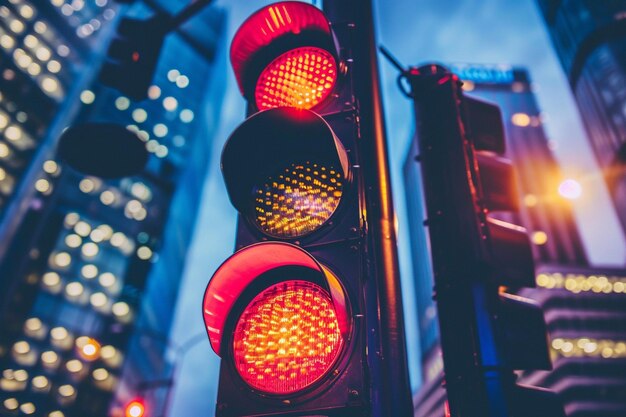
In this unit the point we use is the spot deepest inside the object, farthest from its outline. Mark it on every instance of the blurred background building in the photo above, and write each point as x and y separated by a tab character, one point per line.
590	40
90	269
583	305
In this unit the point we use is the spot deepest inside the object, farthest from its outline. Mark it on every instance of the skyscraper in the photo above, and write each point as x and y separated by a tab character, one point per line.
90	268
572	294
590	40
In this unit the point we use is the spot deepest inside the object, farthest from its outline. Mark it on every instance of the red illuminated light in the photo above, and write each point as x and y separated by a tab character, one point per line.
135	409
292	332
283	56
287	338
301	78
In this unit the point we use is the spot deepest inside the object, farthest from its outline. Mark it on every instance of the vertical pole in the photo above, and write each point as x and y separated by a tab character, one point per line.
392	396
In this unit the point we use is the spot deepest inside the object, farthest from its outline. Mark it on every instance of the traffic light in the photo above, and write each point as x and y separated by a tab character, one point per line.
133	55
486	332
135	408
285	55
104	150
293	312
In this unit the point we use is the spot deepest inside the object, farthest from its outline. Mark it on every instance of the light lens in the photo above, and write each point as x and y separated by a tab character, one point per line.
298	200
287	338
135	409
301	78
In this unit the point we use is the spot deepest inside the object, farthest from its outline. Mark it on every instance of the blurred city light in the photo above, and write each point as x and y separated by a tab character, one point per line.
570	189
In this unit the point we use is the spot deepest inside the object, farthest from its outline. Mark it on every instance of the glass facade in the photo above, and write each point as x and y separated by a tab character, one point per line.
90	268
590	40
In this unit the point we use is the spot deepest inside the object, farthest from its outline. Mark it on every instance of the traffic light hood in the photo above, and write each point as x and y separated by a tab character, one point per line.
275	30
248	266
274	139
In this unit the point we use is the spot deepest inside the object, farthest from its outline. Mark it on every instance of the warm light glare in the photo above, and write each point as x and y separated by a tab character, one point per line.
302	78
298	200
539	238
287	338
135	409
89	349
520	119
570	189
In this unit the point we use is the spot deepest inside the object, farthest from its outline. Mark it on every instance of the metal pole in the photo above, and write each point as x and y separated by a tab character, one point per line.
188	12
394	388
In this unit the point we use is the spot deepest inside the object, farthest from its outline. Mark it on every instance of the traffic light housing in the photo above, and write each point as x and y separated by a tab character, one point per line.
133	55
486	333
285	55
294	312
135	408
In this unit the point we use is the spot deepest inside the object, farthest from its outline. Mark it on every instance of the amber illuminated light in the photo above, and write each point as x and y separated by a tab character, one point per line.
298	200
301	78
287	338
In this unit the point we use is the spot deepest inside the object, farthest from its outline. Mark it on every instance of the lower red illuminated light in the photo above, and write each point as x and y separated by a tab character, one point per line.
287	338
301	78
135	409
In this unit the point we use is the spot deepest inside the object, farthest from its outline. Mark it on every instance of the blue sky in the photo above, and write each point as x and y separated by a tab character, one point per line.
416	31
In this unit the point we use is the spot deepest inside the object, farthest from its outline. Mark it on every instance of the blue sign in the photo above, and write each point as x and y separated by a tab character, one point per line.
493	74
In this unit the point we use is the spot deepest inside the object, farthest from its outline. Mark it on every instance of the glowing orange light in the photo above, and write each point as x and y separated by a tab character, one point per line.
88	348
301	78
287	338
298	200
135	409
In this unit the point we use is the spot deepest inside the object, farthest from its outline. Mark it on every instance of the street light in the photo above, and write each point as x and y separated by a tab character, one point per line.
570	189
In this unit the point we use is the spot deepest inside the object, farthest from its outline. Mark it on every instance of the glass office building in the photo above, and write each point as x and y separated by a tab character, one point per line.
590	39
90	268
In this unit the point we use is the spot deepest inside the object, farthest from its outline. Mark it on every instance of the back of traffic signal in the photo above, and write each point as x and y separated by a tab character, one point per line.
487	333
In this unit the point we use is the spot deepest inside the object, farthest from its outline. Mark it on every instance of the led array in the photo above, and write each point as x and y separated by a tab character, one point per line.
287	337
299	200
301	78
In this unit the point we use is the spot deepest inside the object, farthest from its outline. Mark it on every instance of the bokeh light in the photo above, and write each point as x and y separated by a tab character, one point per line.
570	189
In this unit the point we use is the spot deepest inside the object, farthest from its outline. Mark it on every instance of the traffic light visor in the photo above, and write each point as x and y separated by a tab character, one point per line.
285	171
285	55
249	266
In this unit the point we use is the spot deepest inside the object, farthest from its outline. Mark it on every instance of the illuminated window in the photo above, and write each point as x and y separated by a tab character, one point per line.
154	92
62	259
144	253
139	115
122	103
182	81
520	119
170	103
539	238
11	404
87	97
589	347
530	200
577	283
100	374
28	408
